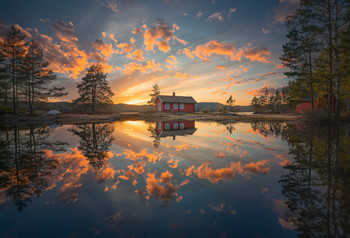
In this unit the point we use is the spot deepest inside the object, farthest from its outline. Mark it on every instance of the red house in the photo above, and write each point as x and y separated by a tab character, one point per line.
175	103
320	104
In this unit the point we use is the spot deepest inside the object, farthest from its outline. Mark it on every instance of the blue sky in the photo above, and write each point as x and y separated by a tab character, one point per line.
205	48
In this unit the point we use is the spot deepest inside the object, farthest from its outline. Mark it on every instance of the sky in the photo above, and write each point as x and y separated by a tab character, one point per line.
208	49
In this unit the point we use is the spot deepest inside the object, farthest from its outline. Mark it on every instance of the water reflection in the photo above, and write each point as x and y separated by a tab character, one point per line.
25	165
215	179
316	183
95	141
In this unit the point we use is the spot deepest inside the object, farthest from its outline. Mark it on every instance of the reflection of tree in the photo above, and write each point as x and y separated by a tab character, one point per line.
154	136
230	128
317	183
95	140
24	167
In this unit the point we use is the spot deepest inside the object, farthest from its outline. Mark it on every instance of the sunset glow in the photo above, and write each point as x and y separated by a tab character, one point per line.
206	49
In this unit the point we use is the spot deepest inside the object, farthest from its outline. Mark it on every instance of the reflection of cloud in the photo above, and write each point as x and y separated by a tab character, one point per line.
166	192
285	9
217	208
220	155
132	155
184	147
173	164
228	173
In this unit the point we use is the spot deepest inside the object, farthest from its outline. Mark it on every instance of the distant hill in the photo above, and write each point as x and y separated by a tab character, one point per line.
213	106
120	107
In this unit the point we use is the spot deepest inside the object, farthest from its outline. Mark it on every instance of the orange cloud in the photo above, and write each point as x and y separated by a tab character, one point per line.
126	47
173	164
132	155
220	155
181	75
220	67
141	68
159	35
215	16
171	62
215	175
137	55
186	51
226	49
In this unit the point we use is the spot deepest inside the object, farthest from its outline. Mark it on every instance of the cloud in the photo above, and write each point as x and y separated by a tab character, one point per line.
126	47
214	47
137	55
141	68
215	16
187	52
181	75
220	155
113	5
64	31
260	91
171	62
230	12
160	35
265	31
199	14
220	67
256	54
285	9
105	49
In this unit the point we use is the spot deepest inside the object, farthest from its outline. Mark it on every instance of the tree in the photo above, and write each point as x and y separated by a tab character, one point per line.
36	75
94	87
231	102
255	104
13	48
154	95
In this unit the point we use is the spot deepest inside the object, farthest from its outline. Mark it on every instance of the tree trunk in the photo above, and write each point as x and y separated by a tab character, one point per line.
13	82
311	85
337	62
330	58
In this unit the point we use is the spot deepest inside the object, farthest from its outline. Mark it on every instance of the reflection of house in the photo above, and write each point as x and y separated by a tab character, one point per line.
175	103
175	128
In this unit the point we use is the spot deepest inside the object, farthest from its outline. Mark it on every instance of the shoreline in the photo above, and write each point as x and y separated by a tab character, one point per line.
70	118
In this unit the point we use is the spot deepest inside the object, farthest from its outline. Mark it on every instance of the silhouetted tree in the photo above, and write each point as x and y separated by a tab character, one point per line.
94	88
13	49
154	95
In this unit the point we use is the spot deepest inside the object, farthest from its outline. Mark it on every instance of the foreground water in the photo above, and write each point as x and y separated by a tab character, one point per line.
174	179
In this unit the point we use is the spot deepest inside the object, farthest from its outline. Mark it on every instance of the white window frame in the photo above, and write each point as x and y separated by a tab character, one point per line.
182	106
182	125
176	106
175	126
167	106
167	126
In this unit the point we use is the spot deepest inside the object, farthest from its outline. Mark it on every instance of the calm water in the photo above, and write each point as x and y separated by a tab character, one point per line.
174	179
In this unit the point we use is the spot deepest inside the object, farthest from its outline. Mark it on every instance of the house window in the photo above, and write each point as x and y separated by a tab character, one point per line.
167	106
176	126
167	126
159	125
175	106
182	106
182	125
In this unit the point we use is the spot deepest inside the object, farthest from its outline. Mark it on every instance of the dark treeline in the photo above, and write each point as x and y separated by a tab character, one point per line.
25	76
274	102
25	167
317	55
315	184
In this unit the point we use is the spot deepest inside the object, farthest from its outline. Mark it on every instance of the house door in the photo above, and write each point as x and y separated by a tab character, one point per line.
159	107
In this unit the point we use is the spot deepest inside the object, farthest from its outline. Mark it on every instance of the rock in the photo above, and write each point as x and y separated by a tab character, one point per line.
53	112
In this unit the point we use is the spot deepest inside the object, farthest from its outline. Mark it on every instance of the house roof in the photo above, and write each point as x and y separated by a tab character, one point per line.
176	99
183	132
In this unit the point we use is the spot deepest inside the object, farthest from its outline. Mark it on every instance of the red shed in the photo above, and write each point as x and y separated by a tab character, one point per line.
175	103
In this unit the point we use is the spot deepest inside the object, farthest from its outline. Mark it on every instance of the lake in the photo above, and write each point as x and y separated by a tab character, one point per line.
175	179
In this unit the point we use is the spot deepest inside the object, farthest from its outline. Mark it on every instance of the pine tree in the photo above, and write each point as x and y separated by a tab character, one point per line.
154	95
37	76
13	49
255	104
231	102
94	88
